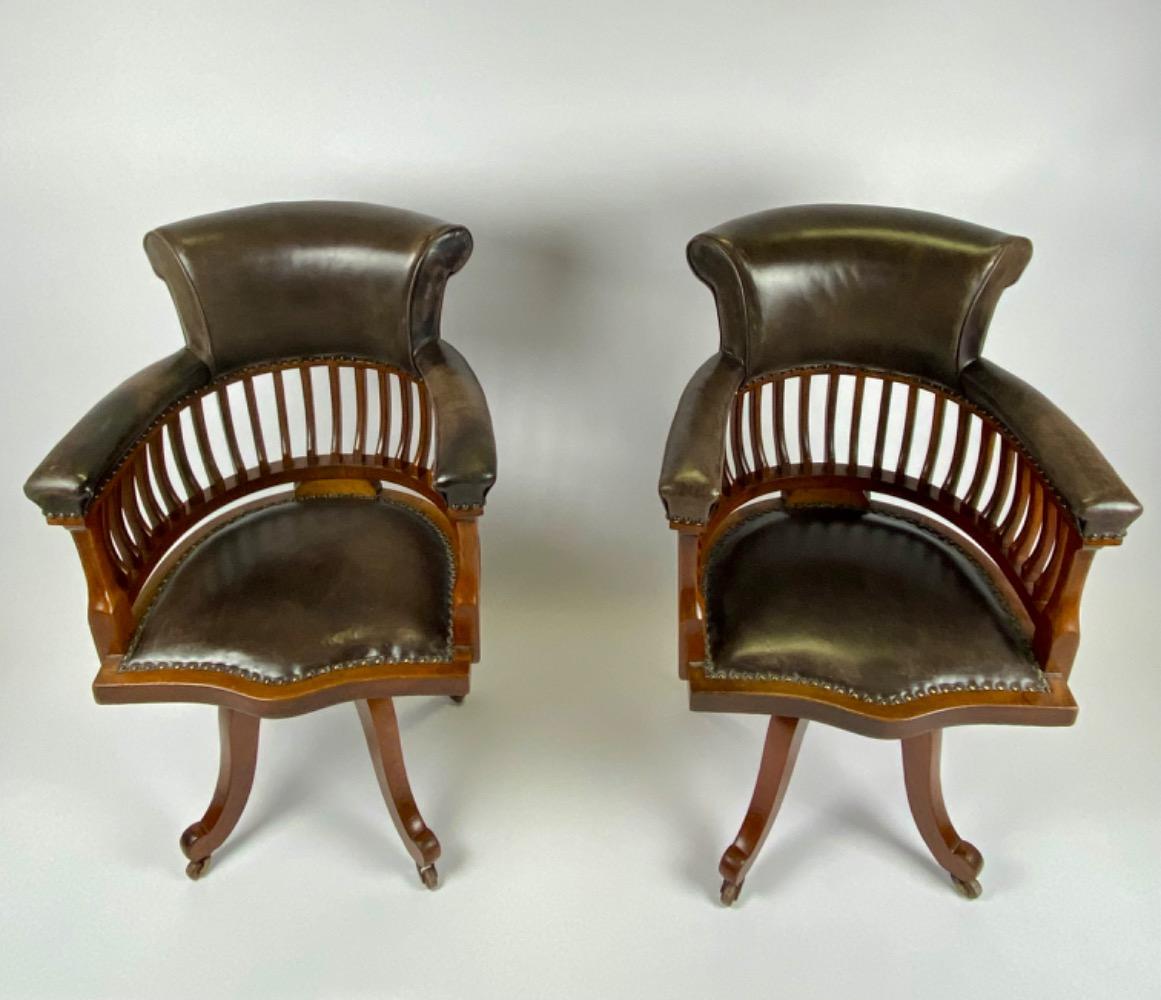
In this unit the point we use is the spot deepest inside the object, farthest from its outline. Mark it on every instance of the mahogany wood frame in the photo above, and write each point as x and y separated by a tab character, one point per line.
141	522
1007	512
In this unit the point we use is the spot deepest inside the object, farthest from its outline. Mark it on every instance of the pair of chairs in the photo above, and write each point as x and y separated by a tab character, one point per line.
877	528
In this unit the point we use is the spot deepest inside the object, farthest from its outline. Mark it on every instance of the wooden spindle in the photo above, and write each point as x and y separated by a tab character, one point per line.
138	530
1003	483
156	447
881	427
185	472
1046	585
856	422
359	446
756	444
908	431
933	440
804	455
958	451
152	510
283	417
423	443
1030	532
231	437
403	454
737	451
975	490
119	535
384	440
336	408
205	451
832	386
1014	518
255	424
1038	560
780	451
308	408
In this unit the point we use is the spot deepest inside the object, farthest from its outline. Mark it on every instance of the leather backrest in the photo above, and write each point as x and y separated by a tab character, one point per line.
301	279
883	288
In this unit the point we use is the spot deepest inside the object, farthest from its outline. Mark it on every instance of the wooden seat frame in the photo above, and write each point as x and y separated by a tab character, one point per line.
155	507
992	499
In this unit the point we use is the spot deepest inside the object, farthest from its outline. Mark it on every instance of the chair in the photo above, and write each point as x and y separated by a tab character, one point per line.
878	529
281	515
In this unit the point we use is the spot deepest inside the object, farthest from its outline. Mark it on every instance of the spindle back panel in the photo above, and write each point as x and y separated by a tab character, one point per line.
257	428
896	435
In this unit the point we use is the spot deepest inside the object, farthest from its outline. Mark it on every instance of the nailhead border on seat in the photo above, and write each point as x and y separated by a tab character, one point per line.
237	671
898	697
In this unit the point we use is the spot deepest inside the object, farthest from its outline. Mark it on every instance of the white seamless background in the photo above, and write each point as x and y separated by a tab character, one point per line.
581	807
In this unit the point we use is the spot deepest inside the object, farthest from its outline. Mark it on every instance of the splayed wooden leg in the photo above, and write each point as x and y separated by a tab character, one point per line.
381	728
783	739
238	735
921	756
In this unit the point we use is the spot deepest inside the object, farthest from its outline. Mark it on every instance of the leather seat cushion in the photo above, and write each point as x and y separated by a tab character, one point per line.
866	603
302	587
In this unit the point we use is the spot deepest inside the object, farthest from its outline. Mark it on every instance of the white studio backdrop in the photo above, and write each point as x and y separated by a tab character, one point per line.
582	808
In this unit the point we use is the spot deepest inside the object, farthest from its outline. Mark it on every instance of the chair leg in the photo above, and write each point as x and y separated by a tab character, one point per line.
960	859
238	735
783	739
381	728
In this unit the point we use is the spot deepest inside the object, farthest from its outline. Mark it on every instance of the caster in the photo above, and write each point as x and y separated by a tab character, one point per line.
969	890
458	698
196	869
429	876
730	892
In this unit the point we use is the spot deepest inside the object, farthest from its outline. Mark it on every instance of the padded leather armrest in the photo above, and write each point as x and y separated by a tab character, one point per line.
465	447
65	483
691	472
1101	503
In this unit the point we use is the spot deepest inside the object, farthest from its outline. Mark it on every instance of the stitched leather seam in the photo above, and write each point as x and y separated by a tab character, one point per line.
898	697
234	669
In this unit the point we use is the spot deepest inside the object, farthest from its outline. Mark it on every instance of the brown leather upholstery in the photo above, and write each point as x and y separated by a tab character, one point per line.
302	278
1101	502
283	281
691	471
65	483
304	587
880	288
865	603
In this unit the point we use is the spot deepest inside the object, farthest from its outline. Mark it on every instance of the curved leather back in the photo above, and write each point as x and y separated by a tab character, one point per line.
300	279
882	288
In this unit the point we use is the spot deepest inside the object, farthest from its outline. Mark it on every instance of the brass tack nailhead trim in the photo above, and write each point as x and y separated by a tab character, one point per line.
898	697
238	671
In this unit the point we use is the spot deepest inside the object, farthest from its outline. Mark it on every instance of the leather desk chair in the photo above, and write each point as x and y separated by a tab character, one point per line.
878	528
313	360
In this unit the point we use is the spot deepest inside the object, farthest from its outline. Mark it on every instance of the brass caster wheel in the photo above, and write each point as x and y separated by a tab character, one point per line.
458	698
196	869
730	892
969	890
429	876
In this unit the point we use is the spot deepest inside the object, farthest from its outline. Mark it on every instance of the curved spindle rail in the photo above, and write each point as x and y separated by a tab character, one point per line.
879	432
256	428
